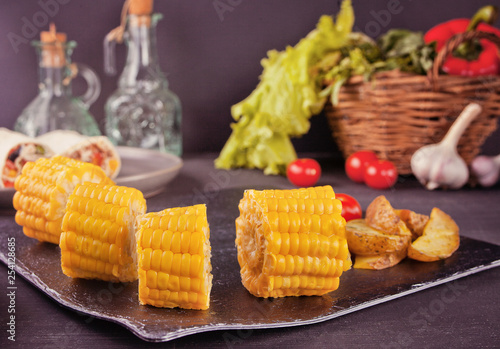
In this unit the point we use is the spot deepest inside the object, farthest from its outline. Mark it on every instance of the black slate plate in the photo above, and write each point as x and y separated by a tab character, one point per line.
232	307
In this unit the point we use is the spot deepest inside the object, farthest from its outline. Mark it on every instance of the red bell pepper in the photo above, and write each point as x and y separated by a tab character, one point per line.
469	59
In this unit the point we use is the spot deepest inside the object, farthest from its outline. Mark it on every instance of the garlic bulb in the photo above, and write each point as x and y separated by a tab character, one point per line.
486	169
439	165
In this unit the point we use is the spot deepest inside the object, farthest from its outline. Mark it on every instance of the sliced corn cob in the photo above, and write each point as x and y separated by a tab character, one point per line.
42	191
174	258
291	242
98	232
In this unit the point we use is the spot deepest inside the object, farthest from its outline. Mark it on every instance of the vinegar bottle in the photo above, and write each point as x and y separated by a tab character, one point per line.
143	112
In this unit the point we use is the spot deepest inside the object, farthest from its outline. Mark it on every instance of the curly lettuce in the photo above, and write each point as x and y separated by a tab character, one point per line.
287	95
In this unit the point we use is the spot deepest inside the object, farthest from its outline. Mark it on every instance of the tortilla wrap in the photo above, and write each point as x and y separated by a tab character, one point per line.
15	150
97	150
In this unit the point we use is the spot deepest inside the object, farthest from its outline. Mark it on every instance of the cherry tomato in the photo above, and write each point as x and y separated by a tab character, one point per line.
303	172
381	174
351	209
356	164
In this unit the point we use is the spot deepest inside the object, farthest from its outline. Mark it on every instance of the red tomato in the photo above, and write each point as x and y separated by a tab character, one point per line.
356	164
381	174
303	172
351	209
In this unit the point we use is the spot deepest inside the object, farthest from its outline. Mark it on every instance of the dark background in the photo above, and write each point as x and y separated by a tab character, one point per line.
211	59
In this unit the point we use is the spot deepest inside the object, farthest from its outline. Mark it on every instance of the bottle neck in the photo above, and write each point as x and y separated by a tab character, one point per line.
142	66
55	69
54	81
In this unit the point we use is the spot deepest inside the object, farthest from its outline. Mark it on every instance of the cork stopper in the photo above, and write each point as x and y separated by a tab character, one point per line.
140	11
53	53
52	35
140	7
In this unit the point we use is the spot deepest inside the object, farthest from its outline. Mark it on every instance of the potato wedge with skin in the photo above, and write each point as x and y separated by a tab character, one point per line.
414	221
440	238
379	262
380	215
365	240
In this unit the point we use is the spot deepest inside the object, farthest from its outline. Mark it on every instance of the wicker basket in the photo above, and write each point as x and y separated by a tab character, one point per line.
396	113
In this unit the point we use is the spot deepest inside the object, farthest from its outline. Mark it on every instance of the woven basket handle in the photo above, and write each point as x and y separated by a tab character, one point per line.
453	43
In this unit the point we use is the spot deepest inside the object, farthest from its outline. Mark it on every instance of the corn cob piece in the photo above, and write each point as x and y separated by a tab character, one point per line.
42	191
174	258
98	232
291	242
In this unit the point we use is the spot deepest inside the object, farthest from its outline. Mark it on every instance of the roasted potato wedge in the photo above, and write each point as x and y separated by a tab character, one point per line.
363	239
414	221
382	261
439	240
380	215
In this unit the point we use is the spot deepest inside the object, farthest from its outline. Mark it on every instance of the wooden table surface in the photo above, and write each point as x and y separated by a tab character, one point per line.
464	313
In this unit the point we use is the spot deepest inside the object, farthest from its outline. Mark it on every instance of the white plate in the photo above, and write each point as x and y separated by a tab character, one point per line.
147	170
144	169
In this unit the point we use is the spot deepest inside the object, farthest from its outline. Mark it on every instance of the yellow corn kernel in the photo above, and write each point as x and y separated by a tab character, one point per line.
174	254
42	191
291	242
94	243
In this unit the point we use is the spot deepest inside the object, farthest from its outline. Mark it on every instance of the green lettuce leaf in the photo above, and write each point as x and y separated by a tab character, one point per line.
287	95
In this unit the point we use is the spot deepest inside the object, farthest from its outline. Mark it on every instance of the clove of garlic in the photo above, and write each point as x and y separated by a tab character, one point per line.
486	169
439	165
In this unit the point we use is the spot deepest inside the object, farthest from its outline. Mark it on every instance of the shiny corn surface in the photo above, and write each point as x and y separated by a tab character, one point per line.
42	191
98	232
291	242
174	258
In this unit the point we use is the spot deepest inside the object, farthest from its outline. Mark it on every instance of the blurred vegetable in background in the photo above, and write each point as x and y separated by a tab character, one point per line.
471	58
397	49
284	100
